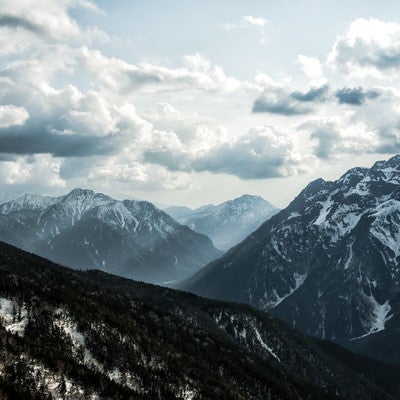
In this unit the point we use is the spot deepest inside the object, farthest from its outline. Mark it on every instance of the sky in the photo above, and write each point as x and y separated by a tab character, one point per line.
190	103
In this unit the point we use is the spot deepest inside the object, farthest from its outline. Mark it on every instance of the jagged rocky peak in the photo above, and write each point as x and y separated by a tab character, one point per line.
393	162
227	223
248	202
89	197
353	176
329	263
314	187
114	213
27	201
91	230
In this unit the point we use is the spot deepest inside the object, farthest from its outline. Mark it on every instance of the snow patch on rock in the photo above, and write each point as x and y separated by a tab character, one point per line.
13	317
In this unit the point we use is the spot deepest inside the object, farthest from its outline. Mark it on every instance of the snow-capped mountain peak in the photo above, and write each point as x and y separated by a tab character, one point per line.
91	230
227	223
342	238
27	202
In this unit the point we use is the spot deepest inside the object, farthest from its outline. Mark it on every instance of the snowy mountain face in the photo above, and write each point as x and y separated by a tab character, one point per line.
228	223
90	230
328	264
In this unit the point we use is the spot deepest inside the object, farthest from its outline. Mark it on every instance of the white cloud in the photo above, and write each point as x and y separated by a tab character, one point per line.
249	21
312	68
11	115
149	126
120	77
336	137
27	24
39	170
257	21
262	152
369	47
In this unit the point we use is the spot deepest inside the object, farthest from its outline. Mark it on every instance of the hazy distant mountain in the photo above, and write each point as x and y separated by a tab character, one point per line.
88	335
328	264
228	223
85	229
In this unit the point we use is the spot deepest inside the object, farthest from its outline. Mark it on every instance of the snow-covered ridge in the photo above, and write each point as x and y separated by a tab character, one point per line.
337	207
386	227
227	223
58	213
28	202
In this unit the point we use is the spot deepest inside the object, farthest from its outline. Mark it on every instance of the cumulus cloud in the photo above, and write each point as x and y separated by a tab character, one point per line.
122	171
35	172
336	137
312	68
11	115
277	101
263	152
28	24
118	76
370	44
94	131
313	94
355	96
36	138
327	138
16	22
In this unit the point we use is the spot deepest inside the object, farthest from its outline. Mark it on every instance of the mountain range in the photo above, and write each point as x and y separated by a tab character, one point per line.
85	229
228	223
328	264
89	335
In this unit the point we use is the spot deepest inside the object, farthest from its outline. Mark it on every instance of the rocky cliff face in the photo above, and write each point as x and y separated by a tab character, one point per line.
328	264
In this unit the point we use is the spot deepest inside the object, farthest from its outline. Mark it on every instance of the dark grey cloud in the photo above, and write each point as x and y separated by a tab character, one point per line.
37	138
355	96
327	137
18	22
385	60
311	95
278	105
389	139
7	157
140	78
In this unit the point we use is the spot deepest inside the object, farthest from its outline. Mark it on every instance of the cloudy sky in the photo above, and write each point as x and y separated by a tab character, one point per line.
189	102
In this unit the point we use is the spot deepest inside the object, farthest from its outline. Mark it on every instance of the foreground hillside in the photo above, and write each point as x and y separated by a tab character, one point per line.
90	335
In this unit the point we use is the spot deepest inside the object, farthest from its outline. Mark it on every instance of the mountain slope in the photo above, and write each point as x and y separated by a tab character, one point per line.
228	223
66	333
328	264
90	230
